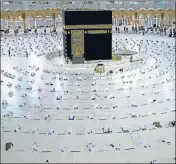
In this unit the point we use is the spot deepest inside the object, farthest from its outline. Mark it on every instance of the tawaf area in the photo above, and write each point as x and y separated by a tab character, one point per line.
88	81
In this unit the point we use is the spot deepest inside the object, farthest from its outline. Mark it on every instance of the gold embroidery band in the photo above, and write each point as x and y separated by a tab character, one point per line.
100	26
77	42
97	31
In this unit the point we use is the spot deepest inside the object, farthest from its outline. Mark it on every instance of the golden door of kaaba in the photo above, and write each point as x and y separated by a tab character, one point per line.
77	43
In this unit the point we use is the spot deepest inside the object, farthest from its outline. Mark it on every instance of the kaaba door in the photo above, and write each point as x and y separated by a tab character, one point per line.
77	43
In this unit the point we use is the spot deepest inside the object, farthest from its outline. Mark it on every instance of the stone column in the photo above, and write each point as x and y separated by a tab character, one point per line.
162	20
7	23
127	21
54	20
35	22
135	21
44	22
24	21
15	22
148	24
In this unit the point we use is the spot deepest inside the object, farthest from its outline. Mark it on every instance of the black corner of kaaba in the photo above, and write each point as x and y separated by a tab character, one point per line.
87	34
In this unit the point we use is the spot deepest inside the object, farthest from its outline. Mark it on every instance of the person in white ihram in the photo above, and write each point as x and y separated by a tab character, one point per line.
35	147
90	146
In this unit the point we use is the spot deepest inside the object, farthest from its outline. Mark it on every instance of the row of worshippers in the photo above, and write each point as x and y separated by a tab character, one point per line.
144	30
90	145
17	42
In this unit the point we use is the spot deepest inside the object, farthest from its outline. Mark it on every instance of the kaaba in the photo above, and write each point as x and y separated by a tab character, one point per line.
87	35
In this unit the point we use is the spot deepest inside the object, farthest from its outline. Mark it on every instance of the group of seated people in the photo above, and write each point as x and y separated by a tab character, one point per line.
64	77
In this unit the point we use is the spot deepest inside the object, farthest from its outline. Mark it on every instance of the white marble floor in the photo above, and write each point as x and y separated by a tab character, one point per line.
128	103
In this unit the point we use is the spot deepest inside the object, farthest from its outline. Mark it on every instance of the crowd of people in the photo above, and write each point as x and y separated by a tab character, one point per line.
166	30
72	110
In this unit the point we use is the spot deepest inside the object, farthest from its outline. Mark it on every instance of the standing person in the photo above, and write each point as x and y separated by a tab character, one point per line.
9	52
164	30
26	54
132	29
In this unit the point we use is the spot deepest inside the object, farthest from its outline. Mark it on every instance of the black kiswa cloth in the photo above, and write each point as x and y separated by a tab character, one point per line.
8	145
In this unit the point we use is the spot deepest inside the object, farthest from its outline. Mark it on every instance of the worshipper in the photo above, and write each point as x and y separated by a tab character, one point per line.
157	124
163	141
9	52
133	115
34	130
143	32
93	84
145	144
26	54
153	101
8	145
174	34
17	128
9	114
34	147
71	117
164	30
170	35
33	74
53	90
62	148
90	146
152	162
75	107
59	98
115	106
50	131
124	129
106	130
116	146
171	123
143	128
69	131
111	71
47	116
121	70
127	30
29	88
10	93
